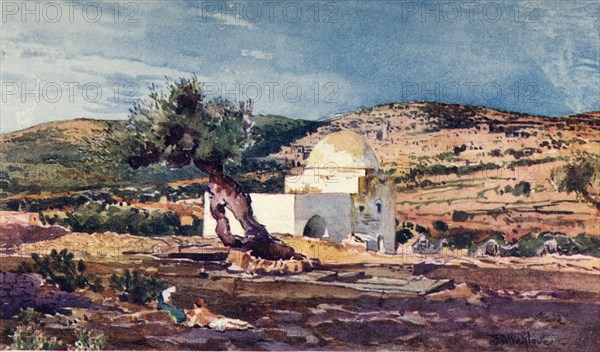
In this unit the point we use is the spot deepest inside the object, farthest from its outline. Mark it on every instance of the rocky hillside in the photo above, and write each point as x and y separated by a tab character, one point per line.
476	170
470	170
48	157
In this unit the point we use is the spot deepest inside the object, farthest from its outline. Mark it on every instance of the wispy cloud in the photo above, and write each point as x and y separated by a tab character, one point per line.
257	54
306	67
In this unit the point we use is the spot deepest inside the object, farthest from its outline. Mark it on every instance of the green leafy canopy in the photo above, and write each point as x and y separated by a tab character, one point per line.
180	127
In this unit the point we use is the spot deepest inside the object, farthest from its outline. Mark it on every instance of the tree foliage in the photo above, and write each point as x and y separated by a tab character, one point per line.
580	175
180	126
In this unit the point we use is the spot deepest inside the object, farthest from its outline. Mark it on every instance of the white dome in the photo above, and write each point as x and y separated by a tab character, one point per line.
345	149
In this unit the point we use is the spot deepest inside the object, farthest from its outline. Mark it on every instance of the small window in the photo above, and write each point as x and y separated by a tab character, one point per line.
378	205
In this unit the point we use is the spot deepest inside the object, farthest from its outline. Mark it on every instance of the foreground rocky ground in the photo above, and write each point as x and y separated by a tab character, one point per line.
493	308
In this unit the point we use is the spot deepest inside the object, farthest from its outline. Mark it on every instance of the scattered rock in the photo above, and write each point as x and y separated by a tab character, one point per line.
460	291
489	248
549	247
265	322
413	318
287	316
251	264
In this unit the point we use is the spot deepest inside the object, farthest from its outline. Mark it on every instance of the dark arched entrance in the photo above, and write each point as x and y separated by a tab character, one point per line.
315	227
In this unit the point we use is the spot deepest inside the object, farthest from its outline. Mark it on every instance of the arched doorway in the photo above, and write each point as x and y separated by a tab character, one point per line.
315	227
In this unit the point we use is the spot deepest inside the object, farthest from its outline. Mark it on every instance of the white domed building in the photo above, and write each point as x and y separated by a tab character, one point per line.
339	193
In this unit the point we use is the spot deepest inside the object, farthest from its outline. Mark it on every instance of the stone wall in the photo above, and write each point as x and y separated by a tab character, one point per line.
17	291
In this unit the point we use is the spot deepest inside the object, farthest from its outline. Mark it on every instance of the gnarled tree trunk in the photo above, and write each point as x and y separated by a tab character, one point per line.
225	193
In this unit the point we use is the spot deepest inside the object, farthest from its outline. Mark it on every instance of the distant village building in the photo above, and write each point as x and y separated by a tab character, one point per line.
11	217
294	155
340	192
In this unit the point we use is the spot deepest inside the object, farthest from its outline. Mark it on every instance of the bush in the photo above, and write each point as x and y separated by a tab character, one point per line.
460	216
522	188
496	153
90	340
458	150
30	338
460	241
99	218
440	226
402	236
137	287
195	229
421	229
60	268
29	316
527	246
498	237
588	245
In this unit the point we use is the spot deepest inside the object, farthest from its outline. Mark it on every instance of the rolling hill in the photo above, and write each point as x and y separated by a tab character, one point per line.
48	157
475	169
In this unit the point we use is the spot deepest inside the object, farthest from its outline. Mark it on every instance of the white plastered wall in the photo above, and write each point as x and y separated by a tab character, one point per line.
275	211
324	181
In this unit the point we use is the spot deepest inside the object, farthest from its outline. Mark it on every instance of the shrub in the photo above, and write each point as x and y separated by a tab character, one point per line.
419	170
31	338
588	245
460	216
440	225
61	269
460	241
90	340
137	287
498	237
522	188
496	153
458	150
98	218
421	229
402	236
527	246
29	316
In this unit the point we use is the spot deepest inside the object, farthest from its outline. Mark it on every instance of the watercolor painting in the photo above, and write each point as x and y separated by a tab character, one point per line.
300	175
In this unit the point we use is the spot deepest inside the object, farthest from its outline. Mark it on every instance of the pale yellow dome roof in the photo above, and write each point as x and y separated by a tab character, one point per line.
345	149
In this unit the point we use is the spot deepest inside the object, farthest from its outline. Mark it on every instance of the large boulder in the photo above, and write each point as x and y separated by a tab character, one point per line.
424	246
489	248
549	247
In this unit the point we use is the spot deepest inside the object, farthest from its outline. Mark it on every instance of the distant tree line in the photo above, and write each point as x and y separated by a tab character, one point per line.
95	217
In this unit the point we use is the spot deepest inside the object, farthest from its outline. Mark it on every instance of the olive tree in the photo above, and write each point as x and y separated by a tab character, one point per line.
580	175
181	127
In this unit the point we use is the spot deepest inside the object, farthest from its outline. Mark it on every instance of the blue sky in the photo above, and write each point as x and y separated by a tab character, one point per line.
303	59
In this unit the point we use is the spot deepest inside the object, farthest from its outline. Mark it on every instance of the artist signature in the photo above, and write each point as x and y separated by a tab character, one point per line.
525	339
